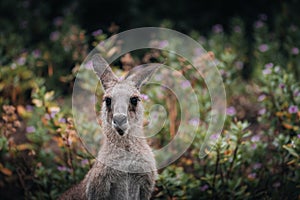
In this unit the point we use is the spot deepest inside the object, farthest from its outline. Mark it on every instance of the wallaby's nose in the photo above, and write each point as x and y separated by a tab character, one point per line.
119	120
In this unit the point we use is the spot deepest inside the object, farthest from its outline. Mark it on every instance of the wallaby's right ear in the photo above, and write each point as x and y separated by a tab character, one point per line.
104	72
141	74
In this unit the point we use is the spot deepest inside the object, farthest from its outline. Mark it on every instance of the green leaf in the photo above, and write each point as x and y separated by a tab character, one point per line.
291	151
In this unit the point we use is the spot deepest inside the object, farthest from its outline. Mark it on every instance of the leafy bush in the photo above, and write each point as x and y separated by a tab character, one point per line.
256	156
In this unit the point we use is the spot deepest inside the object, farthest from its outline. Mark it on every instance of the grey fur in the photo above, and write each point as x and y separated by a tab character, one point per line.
104	72
125	167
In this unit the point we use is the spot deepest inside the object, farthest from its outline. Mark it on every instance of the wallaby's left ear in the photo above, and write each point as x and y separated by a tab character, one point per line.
141	74
104	72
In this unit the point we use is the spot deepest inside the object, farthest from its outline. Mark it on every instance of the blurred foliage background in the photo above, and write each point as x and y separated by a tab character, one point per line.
255	45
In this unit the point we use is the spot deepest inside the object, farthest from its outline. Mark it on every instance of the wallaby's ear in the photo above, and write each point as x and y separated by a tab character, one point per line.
141	74
104	72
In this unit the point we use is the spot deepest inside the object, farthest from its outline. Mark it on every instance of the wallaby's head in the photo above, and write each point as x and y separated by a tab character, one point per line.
122	109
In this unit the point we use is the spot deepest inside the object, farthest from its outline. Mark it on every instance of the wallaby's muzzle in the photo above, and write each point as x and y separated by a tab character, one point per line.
120	123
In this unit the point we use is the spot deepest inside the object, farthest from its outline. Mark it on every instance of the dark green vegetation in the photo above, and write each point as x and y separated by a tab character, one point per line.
42	45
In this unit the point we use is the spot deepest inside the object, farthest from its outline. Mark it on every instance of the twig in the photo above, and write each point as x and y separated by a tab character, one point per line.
216	171
168	192
233	159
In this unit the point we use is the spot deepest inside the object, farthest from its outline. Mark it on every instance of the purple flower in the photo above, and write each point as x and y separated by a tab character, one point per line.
276	184
21	61
262	111
281	85
255	138
58	21
253	146
223	72
30	129
194	121
54	35
47	116
84	162
29	108
296	93
63	169
267	71
218	28
257	166
295	51
261	97
154	116
89	65
237	29
53	113
62	120
185	84
258	24
163	44
263	48
158	77
214	136
298	136
102	44
252	176
97	32
230	111
269	65
293	109
36	53
144	97
204	188
198	52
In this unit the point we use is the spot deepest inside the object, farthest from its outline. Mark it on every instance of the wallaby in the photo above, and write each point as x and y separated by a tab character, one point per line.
125	166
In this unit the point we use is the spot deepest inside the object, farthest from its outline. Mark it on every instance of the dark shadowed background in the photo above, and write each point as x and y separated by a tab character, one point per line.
255	43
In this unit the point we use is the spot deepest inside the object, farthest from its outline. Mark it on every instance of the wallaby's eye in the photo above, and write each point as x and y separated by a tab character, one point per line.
134	100
107	101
